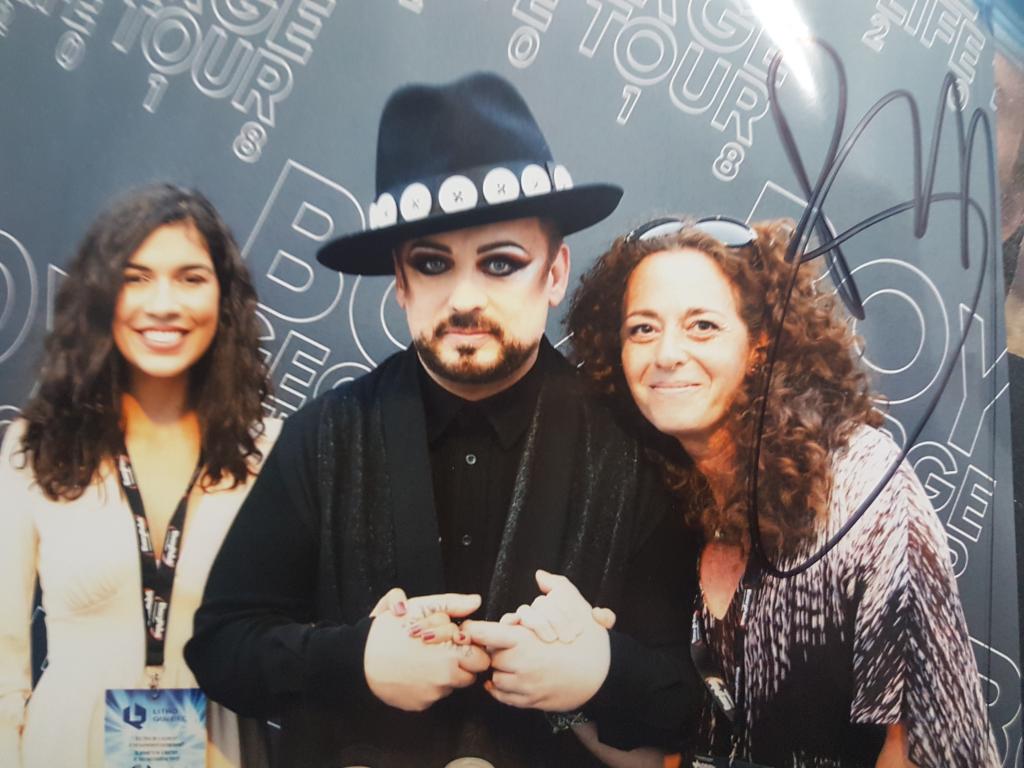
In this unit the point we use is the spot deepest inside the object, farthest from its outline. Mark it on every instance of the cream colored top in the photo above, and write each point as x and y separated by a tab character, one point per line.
87	558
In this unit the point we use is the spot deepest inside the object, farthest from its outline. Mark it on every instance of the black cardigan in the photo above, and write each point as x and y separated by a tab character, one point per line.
343	511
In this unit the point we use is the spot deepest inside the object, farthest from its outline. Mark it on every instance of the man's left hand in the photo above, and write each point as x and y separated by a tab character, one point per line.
553	676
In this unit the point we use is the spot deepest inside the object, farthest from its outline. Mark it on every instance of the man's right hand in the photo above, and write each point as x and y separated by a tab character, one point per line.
406	673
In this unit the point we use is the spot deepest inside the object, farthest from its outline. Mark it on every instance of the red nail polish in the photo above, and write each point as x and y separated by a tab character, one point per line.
399	609
429	636
415	631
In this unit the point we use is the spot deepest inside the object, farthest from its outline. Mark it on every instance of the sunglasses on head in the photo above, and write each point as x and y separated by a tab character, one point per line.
732	233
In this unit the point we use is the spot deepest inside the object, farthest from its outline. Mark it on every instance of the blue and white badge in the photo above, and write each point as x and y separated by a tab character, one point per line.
155	728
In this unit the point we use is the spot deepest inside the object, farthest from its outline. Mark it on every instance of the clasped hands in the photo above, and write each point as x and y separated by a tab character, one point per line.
552	654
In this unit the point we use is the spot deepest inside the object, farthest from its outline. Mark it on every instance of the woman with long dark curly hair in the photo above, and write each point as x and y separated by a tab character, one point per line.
863	659
123	475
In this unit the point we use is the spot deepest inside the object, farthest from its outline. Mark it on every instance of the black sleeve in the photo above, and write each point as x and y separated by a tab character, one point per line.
256	646
653	695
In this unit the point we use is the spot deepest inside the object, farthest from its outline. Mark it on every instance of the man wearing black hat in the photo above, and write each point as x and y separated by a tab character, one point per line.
453	472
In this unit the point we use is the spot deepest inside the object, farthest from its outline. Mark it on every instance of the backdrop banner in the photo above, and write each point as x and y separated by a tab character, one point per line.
270	107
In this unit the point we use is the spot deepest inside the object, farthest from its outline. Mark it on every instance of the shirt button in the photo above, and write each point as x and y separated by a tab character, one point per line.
466	539
471	459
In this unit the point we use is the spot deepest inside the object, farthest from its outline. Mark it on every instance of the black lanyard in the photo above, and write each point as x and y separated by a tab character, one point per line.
729	705
157	576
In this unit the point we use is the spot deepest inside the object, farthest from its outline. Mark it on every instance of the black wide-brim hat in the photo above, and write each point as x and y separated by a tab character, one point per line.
461	155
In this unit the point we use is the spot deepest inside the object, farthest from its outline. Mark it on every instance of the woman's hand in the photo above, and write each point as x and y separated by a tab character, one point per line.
438	628
425	617
642	757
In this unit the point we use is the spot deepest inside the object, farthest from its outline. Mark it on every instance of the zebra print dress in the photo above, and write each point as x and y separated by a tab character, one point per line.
871	635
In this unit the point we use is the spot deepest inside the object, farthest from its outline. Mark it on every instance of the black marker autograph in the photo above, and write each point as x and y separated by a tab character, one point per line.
813	221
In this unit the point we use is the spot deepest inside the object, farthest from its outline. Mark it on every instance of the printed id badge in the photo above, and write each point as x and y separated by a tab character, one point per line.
155	728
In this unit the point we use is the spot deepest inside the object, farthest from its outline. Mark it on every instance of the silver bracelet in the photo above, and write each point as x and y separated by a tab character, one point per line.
563	721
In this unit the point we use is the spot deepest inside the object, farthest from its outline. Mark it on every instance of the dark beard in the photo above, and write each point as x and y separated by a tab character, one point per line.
513	355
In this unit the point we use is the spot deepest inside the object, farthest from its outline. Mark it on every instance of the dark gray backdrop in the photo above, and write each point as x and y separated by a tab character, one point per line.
271	107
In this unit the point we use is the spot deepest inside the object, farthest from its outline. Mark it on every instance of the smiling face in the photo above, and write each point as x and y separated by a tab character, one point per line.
166	313
477	301
685	348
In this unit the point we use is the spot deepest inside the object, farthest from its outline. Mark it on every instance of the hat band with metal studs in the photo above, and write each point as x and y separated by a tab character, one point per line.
473	188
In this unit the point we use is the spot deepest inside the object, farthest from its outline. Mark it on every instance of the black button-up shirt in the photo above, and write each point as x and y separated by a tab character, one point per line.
475	448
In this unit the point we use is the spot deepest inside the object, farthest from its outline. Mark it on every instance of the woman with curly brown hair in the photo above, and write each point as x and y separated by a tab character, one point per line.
863	659
121	479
